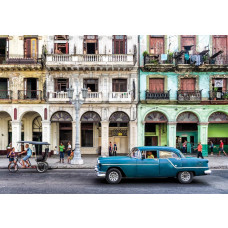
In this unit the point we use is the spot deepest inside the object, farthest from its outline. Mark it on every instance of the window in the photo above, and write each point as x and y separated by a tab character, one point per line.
219	84
135	153
150	154
61	85
119	44
188	84
119	85
91	84
90	44
167	154
30	48
4	83
61	45
156	45
156	85
4	46
189	40
87	134
150	127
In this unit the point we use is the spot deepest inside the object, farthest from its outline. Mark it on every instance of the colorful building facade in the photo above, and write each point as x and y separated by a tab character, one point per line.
182	100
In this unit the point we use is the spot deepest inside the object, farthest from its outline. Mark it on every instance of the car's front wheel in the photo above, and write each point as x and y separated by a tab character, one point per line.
185	177
113	176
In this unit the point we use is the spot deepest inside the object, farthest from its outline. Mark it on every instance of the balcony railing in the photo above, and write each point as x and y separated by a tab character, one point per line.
29	95
93	95
18	59
5	94
120	96
157	95
58	96
189	95
89	59
217	95
156	59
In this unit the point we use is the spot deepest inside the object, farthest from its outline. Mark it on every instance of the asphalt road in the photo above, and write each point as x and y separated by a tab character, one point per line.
85	181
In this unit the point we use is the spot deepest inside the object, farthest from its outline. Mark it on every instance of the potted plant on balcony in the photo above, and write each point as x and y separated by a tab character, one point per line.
215	93
145	54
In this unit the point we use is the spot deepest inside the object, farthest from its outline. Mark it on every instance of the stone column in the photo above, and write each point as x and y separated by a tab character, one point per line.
133	134
104	138
16	134
171	134
73	134
203	137
46	131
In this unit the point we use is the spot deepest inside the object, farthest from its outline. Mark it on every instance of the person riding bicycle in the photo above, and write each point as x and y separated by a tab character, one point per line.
29	154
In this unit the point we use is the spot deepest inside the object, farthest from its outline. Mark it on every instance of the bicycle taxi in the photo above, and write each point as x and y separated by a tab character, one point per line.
41	160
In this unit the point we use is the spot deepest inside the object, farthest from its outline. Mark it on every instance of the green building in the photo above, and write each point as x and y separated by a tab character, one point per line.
180	100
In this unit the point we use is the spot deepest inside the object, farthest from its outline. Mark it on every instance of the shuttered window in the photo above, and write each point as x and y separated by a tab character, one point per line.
188	84
157	45
224	87
119	85
120	44
220	43
156	85
188	40
30	48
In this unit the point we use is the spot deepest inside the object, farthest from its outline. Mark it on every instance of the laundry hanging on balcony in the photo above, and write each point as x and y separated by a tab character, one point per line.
196	59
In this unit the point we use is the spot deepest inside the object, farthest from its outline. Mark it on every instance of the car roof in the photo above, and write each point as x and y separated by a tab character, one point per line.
165	148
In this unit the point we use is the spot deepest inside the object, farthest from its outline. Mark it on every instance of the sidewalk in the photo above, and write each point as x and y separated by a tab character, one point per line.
90	161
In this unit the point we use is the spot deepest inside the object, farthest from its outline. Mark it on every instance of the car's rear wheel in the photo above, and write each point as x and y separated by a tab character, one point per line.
185	177
113	176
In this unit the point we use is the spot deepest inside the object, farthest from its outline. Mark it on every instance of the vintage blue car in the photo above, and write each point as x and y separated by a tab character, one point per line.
149	162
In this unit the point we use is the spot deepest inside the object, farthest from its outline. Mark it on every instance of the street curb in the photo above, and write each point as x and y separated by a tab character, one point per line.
92	167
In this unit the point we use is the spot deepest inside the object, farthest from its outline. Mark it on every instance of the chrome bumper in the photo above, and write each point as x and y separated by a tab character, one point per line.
207	172
99	174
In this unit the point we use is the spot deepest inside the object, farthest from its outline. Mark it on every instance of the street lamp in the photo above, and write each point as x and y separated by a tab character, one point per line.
77	102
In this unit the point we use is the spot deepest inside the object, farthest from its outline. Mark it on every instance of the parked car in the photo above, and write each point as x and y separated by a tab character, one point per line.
149	162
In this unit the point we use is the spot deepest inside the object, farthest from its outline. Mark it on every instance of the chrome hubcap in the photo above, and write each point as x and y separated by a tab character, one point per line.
113	176
185	176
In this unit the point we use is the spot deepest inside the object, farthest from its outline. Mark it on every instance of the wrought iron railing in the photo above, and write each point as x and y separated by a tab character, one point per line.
157	59
29	95
5	94
19	59
189	95
157	95
218	95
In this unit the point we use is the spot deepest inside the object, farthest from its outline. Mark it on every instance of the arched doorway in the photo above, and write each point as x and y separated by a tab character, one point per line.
155	130
5	132
90	125
217	130
187	130
61	128
119	131
37	132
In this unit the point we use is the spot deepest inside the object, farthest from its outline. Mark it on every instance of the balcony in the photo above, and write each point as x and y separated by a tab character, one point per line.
58	97
19	62
93	97
89	61
189	96
218	97
200	62
5	95
120	96
30	95
157	96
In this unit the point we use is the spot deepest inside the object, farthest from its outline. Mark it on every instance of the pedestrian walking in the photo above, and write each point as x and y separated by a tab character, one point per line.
212	147
114	149
68	151
110	149
221	148
61	150
184	147
200	150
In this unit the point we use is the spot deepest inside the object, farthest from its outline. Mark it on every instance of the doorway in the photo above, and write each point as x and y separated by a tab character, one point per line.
91	48
2	50
31	88
65	133
151	140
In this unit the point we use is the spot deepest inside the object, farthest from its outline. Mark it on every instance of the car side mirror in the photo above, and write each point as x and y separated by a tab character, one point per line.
143	157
